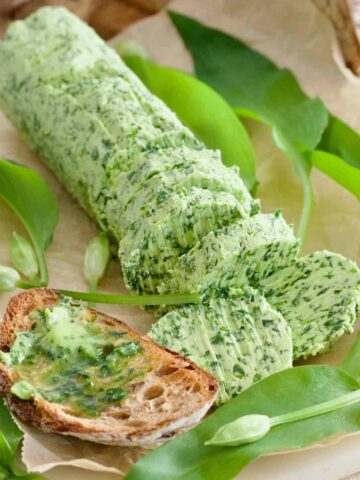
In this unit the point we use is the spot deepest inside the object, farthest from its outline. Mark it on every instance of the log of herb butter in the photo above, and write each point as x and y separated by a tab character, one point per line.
87	114
181	168
39	64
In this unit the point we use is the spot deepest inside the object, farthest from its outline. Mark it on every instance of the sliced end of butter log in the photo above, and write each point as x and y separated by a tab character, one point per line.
152	248
240	254
69	369
319	296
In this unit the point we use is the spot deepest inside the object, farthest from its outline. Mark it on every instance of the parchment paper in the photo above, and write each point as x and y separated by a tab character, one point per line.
293	34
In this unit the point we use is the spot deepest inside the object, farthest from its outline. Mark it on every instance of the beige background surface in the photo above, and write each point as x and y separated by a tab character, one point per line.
295	35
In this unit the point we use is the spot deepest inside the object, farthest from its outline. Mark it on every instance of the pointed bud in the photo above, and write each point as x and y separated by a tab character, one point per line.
9	279
96	259
246	429
130	48
23	256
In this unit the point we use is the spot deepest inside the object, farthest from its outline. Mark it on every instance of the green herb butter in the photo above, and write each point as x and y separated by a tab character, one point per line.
202	169
70	357
239	254
319	296
152	247
240	339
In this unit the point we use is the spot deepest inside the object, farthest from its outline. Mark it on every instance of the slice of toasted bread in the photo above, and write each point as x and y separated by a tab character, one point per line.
173	396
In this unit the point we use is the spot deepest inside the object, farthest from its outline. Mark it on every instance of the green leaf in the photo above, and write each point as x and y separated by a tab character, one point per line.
338	155
252	84
20	474
6	452
351	363
257	88
33	202
341	140
286	391
10	437
201	109
4	472
340	171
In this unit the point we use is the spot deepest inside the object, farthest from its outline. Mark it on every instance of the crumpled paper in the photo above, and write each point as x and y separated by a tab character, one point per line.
295	35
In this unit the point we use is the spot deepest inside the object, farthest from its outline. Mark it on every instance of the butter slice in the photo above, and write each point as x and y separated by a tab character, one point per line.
319	297
240	339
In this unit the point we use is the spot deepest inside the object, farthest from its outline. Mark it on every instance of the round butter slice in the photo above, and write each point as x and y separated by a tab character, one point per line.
319	297
240	339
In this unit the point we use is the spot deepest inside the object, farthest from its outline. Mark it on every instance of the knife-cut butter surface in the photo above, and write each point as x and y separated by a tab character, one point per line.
319	297
171	230
239	339
235	255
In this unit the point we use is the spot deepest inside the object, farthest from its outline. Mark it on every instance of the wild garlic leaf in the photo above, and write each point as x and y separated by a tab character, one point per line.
351	363
341	140
20	474
201	109
6	453
340	171
257	88
305	386
252	84
11	435
338	155
33	202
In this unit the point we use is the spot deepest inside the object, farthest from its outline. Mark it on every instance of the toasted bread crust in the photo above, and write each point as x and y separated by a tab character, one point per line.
172	397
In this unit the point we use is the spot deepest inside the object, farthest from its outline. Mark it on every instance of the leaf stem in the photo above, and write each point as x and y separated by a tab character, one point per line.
27	285
302	168
319	409
92	289
92	286
168	299
40	255
43	269
307	202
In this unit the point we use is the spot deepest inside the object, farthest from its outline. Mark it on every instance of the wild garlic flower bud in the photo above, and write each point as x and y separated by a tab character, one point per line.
23	256
246	429
130	48
96	259
9	279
